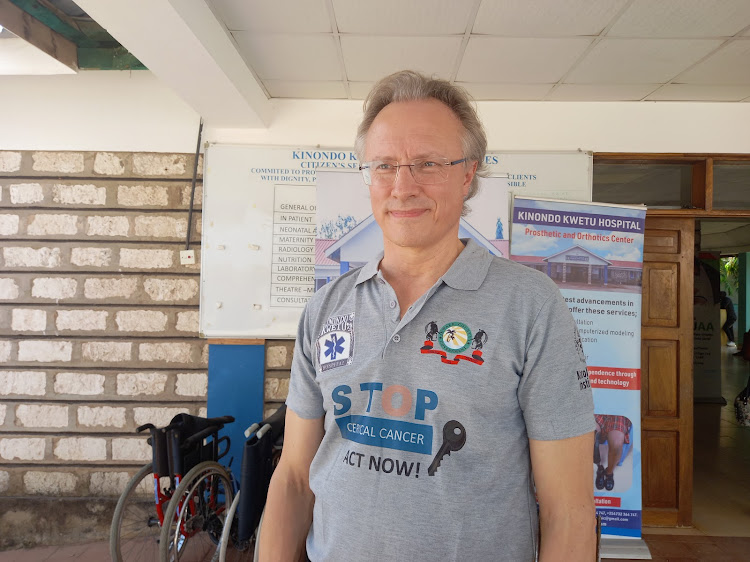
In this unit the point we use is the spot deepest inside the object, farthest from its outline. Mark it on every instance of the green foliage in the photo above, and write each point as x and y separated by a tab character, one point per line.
729	274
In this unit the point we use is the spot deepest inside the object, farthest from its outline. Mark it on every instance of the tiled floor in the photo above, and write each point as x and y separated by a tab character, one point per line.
721	502
664	548
696	548
721	491
91	552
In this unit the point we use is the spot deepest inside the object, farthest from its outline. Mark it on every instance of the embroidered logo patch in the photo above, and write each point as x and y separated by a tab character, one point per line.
335	345
456	338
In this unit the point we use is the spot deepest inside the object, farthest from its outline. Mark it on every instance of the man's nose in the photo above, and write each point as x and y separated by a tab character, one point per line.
404	184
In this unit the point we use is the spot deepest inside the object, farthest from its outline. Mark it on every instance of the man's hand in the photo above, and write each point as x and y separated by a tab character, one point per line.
563	475
288	514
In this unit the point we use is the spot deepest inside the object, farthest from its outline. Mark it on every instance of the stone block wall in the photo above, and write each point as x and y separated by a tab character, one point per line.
278	365
98	329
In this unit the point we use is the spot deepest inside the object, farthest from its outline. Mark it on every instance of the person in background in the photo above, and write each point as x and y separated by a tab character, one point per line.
726	303
399	447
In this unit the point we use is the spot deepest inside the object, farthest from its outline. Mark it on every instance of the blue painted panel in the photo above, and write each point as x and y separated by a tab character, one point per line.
235	388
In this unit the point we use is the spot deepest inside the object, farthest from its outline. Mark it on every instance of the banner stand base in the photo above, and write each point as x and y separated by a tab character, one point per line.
629	549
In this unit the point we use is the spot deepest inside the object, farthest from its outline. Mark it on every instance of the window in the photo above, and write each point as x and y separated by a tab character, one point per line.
731	185
666	186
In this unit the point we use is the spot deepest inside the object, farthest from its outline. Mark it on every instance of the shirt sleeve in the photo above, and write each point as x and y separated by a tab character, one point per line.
305	397
554	391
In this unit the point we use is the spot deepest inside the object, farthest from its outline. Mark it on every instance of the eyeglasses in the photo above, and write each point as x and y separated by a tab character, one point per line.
428	171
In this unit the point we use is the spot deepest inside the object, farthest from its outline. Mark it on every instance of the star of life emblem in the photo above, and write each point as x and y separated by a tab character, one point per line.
335	345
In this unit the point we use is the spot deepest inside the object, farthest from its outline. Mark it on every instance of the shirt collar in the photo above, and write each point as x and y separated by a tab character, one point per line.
370	269
470	268
466	273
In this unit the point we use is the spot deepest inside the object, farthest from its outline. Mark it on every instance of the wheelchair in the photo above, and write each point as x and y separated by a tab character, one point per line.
145	510
261	454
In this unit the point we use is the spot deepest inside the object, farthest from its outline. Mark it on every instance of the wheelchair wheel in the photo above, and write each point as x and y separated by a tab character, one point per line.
134	534
231	549
194	519
257	537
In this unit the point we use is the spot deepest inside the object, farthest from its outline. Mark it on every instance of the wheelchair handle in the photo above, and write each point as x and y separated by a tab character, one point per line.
250	430
263	430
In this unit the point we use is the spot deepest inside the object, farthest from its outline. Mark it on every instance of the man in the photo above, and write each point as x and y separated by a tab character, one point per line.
404	444
726	303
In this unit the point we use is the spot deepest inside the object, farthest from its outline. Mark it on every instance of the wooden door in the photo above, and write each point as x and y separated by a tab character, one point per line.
667	372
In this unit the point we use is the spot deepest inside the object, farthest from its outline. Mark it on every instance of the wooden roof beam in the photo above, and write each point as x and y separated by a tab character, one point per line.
36	33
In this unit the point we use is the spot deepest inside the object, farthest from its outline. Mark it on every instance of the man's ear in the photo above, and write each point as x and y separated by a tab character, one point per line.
471	170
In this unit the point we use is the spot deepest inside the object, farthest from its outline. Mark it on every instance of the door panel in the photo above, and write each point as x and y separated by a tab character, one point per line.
660	458
667	371
660	358
662	241
660	293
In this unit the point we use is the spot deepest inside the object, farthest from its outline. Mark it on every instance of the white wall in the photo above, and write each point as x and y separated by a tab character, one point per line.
116	111
133	111
532	126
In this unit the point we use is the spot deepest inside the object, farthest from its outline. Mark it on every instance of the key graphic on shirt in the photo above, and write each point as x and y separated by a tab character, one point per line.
454	437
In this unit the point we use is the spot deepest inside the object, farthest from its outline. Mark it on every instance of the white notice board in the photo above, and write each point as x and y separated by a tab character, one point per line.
258	247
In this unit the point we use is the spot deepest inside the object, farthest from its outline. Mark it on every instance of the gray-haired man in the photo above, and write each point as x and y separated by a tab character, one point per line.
427	385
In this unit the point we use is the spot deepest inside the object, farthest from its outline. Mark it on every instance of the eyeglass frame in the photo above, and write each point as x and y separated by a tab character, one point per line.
367	166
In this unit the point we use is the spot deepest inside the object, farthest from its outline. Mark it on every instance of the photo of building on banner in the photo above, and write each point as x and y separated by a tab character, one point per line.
348	236
594	253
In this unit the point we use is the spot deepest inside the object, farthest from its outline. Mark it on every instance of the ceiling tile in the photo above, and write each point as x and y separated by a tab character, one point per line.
370	58
699	92
728	65
519	60
641	61
359	90
290	57
280	16
305	89
488	92
402	17
682	18
601	92
544	18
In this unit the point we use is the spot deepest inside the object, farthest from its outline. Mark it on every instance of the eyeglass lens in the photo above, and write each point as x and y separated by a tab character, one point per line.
423	171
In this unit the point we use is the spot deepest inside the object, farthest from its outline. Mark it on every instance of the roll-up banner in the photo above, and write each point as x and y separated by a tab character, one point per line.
594	252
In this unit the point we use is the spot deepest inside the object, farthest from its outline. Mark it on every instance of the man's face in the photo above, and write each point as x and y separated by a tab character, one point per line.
410	214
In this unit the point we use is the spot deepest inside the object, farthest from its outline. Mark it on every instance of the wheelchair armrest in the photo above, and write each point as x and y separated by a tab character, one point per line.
224	438
220	421
200	436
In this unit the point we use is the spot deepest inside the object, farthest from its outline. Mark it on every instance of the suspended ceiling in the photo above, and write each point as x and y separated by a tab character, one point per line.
562	50
230	60
725	237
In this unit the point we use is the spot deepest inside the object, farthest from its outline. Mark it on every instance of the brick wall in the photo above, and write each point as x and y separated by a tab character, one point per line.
98	330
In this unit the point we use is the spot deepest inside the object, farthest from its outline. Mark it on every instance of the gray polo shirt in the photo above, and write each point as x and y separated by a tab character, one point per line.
484	361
